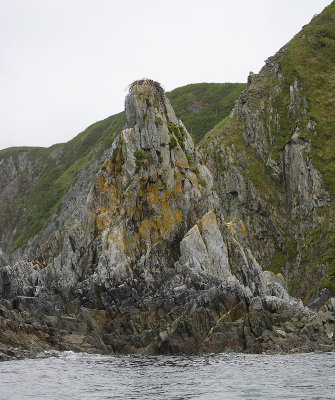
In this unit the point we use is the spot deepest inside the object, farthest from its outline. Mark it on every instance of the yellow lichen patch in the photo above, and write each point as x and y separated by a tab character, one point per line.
118	158
117	163
165	202
109	164
105	206
102	221
101	183
153	196
178	216
243	231
178	188
208	219
181	160
144	228
154	177
141	193
193	178
116	238
112	194
104	209
169	220
165	208
154	230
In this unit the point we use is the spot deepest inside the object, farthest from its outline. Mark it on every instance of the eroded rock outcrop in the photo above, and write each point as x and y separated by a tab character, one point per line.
145	262
271	161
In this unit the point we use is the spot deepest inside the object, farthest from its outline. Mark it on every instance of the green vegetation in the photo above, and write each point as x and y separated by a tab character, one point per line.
318	252
160	159
196	170
189	158
310	58
138	154
138	165
229	133
202	105
173	128
179	132
280	257
32	210
300	97
173	142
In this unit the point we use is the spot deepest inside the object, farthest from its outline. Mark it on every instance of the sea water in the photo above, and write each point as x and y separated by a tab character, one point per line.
73	376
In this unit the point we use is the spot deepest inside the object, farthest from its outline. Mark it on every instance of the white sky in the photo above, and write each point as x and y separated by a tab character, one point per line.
65	64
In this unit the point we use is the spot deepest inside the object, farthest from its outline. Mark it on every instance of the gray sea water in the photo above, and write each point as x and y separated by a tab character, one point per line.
222	376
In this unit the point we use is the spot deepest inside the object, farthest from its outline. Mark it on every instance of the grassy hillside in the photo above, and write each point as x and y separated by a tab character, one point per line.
34	206
293	97
202	105
310	58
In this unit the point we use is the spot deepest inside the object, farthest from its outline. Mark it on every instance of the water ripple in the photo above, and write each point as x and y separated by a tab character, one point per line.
220	376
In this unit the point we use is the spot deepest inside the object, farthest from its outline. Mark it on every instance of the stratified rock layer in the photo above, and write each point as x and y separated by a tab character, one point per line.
142	261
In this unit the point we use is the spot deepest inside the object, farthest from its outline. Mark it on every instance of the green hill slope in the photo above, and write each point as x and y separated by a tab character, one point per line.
283	137
202	105
51	173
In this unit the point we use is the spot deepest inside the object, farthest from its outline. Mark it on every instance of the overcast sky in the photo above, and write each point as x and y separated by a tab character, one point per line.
65	64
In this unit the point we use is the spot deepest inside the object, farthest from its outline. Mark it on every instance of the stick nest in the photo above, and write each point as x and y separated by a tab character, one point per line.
156	86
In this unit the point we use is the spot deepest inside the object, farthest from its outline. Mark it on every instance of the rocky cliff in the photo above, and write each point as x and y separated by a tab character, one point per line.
34	180
273	161
142	258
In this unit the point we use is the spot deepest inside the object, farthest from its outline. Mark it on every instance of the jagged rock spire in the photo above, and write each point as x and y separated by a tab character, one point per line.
147	101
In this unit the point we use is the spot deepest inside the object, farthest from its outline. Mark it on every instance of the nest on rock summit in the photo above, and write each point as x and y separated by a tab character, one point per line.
156	86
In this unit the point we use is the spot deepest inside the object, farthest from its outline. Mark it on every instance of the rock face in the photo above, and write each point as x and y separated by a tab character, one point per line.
142	260
271	160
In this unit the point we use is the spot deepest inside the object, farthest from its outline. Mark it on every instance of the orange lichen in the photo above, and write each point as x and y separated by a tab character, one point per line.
115	238
153	196
243	231
178	216
102	221
104	209
118	158
181	160
178	188
193	178
207	220
144	228
154	207
101	183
